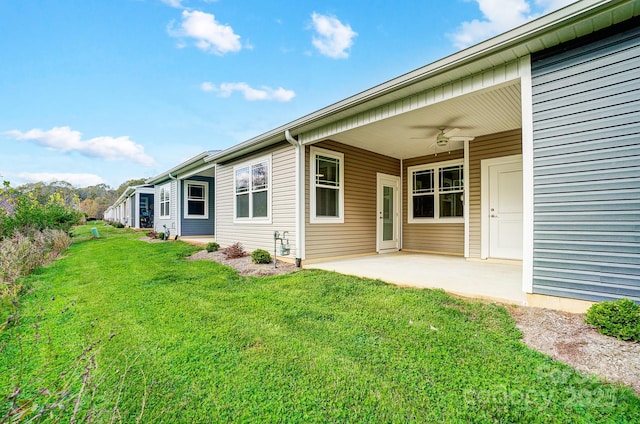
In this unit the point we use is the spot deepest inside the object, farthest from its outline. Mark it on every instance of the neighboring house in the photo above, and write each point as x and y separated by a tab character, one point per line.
523	148
185	198
134	208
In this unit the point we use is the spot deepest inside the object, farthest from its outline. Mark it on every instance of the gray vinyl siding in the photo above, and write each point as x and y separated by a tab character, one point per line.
586	110
357	234
192	226
283	203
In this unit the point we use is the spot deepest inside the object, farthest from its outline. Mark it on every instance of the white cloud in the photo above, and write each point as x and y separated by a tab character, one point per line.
77	180
332	38
63	139
226	89
174	3
500	16
210	35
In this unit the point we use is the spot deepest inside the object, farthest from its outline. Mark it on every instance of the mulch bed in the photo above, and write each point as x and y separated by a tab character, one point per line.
244	265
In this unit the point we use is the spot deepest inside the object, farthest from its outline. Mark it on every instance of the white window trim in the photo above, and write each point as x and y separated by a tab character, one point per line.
313	219
186	199
436	166
167	188
251	220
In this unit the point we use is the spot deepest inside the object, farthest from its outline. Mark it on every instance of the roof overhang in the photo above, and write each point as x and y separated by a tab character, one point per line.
186	167
573	21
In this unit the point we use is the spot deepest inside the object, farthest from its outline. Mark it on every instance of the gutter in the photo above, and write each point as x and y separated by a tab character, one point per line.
300	209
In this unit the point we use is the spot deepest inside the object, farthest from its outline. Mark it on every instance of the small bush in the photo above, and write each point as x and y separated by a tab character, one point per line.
160	236
260	256
118	224
618	318
234	251
212	247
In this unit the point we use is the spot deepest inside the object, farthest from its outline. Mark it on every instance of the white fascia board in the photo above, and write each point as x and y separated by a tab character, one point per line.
171	172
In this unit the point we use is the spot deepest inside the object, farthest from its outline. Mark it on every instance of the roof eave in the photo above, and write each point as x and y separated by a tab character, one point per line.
519	36
189	163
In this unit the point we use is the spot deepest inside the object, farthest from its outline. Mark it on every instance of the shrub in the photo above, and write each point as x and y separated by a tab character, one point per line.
234	251
618	318
23	213
118	224
260	256
212	247
160	235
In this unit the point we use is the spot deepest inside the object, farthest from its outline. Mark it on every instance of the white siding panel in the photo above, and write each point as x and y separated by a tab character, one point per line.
489	78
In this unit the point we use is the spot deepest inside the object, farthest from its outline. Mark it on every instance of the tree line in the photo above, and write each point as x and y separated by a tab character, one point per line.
92	201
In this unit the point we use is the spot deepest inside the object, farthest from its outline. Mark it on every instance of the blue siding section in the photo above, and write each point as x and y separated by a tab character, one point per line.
197	227
586	112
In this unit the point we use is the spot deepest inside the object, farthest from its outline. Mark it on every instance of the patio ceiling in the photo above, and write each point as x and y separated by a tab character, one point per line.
414	133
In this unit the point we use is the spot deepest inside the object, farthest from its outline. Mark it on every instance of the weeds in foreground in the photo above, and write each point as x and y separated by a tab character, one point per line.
21	254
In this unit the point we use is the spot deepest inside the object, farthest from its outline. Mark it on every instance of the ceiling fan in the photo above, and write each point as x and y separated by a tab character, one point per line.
445	135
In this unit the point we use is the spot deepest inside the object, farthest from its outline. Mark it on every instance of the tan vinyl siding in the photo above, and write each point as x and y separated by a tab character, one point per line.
283	203
430	237
486	147
357	235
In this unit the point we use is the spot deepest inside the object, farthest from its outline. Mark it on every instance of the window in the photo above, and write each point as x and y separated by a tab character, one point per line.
436	192
252	183
195	199
327	186
165	201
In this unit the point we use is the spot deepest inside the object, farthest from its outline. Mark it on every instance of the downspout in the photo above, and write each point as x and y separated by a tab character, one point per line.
401	235
300	209
178	220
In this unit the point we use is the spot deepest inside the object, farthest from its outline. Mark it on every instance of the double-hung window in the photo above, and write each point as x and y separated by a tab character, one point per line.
196	199
436	192
252	190
165	201
327	186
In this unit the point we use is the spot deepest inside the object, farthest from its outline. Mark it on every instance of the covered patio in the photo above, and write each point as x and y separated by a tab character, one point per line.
489	280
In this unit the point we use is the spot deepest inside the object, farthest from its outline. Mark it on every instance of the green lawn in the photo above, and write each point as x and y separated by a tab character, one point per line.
122	331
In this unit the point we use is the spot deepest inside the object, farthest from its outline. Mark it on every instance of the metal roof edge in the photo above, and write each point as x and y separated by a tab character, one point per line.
189	162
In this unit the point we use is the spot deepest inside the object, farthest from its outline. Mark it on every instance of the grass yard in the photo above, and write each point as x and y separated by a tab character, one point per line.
120	330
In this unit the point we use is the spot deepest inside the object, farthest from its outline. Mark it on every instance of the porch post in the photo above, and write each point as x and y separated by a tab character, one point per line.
465	194
527	173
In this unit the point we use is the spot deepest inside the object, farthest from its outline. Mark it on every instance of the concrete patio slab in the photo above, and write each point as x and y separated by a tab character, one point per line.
476	279
197	240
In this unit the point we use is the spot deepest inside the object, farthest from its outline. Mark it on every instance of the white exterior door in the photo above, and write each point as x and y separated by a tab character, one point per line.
388	216
505	210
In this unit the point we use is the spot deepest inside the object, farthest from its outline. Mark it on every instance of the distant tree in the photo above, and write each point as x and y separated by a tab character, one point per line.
42	192
95	191
90	208
124	185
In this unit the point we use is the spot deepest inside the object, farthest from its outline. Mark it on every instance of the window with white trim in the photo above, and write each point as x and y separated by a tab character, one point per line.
165	201
327	186
252	190
196	199
435	192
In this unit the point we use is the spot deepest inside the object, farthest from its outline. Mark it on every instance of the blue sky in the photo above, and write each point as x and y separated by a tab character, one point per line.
102	91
